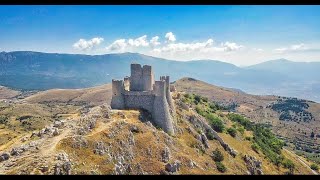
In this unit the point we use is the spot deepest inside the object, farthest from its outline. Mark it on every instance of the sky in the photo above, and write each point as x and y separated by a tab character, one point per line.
242	35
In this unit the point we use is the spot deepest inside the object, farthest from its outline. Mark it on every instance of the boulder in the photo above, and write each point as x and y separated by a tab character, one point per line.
4	157
173	167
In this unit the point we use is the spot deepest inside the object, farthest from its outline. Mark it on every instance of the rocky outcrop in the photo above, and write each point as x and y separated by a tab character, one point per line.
173	167
63	166
199	122
4	156
165	155
254	166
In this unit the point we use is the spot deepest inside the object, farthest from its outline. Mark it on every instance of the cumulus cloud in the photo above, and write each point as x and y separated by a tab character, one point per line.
293	48
140	41
155	41
185	47
170	37
231	46
117	45
84	45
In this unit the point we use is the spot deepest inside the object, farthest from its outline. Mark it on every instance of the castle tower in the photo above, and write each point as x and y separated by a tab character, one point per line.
117	101
136	78
161	113
147	78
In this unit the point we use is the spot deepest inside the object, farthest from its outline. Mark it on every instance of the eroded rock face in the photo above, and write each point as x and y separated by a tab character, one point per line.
173	167
254	166
63	166
165	155
204	140
100	148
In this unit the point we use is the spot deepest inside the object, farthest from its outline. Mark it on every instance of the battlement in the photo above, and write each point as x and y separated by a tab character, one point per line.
141	91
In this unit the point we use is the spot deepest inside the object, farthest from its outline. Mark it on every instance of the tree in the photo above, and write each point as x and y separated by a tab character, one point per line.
217	156
232	131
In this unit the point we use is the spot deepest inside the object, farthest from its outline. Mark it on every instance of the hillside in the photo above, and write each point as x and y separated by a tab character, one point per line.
292	119
98	140
27	70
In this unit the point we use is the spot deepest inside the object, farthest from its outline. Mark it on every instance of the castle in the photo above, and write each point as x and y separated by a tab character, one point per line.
141	91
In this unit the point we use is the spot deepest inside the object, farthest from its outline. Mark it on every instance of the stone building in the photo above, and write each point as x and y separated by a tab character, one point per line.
141	91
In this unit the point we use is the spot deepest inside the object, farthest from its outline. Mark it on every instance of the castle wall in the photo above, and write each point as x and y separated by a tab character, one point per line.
161	114
140	91
139	100
147	78
117	101
136	78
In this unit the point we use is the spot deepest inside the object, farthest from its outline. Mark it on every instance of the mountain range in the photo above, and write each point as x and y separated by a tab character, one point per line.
27	70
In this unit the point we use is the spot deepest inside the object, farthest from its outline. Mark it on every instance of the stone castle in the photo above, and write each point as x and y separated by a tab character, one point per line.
141	91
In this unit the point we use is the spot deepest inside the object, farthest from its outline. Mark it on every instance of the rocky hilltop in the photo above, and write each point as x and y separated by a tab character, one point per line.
69	134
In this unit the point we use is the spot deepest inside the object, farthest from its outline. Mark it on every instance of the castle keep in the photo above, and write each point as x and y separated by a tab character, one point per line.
141	91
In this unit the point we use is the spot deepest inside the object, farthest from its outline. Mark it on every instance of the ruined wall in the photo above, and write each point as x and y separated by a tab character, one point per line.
140	91
139	100
117	101
161	113
135	78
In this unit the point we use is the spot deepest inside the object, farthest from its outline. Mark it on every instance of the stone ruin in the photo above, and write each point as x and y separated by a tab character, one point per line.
141	91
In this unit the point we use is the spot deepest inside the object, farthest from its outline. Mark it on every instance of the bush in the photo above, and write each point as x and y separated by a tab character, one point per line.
255	147
210	136
241	130
215	122
287	163
217	156
221	167
232	131
314	167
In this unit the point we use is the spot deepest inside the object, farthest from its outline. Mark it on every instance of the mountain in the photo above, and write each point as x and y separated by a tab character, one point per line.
25	70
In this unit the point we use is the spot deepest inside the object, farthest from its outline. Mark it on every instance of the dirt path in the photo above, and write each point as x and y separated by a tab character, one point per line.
301	160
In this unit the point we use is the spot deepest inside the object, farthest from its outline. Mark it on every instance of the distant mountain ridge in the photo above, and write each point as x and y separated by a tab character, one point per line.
36	70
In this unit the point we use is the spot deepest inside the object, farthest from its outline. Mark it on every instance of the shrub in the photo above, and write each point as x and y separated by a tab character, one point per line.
287	163
221	167
232	131
241	130
217	156
215	122
197	99
314	167
255	147
210	136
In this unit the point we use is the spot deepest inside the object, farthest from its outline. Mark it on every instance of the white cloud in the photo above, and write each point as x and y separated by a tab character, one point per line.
140	41
117	45
170	37
155	41
185	47
293	48
231	46
84	45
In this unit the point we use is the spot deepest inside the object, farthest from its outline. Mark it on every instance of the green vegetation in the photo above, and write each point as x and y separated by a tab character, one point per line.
232	131
3	119
292	109
206	109
264	140
217	156
314	167
221	167
287	163
255	147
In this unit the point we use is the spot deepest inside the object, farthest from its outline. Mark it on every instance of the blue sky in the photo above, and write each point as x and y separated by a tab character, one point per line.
240	35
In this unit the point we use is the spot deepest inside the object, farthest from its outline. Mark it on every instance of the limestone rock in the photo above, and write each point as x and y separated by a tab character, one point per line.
204	140
4	156
173	167
165	155
254	166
